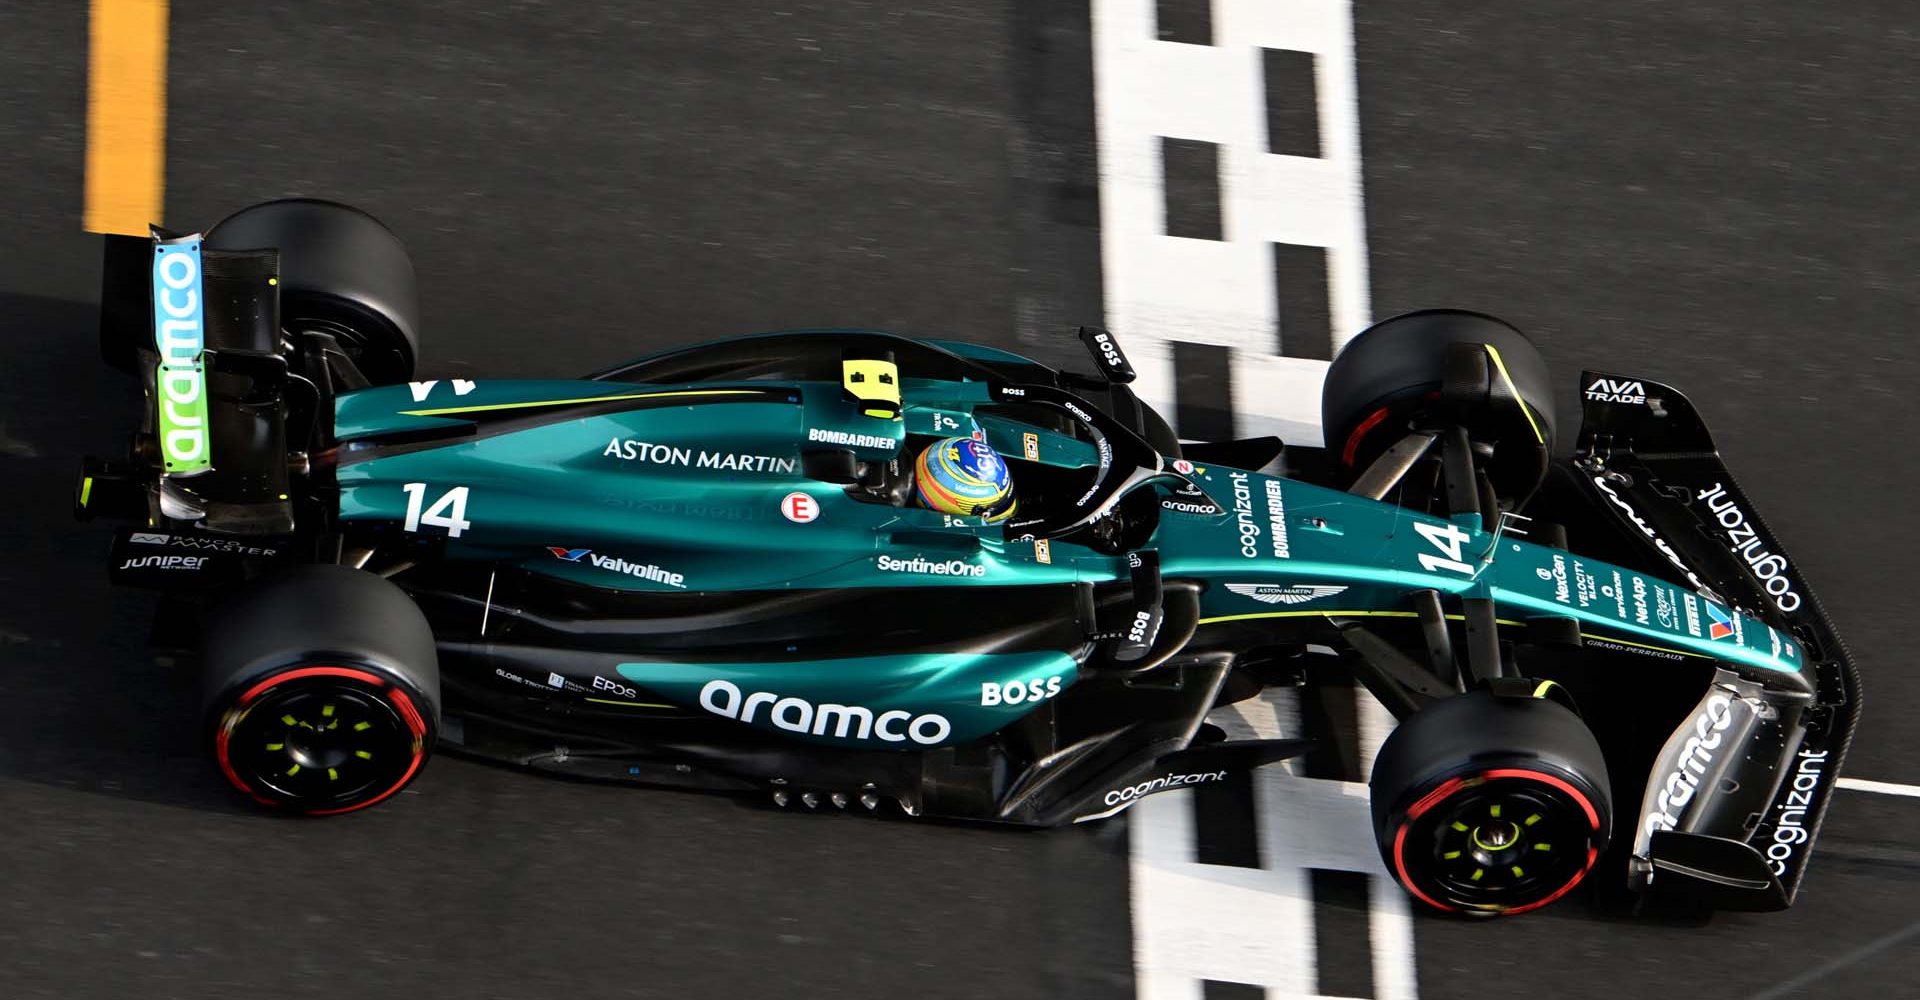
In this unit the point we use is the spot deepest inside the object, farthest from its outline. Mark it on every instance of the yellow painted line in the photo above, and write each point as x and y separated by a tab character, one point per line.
448	410
1515	390
126	116
1347	614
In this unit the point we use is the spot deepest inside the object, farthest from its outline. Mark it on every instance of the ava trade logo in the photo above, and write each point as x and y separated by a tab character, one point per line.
1722	625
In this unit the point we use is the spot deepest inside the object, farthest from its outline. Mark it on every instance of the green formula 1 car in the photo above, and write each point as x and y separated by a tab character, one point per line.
708	568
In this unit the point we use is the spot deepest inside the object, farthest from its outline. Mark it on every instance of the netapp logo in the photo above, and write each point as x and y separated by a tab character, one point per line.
848	438
952	567
1131	792
797	715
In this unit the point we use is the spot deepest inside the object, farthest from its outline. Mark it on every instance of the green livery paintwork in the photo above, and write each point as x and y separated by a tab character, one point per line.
688	493
905	701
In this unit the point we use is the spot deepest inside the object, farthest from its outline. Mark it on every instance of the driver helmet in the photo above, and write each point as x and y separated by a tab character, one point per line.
964	477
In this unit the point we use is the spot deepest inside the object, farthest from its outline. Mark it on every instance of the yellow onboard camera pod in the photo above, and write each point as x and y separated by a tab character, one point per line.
874	384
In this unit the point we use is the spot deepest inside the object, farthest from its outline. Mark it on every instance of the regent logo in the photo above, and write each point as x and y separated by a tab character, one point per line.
797	715
179	337
1299	593
847	438
1607	390
1170	780
614	564
951	567
165	562
635	450
1016	692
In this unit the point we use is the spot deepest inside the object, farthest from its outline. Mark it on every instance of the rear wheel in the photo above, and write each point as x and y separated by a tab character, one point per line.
1487	806
322	690
341	272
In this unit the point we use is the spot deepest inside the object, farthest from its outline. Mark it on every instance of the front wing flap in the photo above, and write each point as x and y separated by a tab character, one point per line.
1736	798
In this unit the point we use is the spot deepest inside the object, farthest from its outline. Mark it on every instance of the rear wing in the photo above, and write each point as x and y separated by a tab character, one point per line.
1735	824
199	328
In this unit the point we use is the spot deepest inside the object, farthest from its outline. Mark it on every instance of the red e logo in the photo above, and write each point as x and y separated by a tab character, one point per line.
799	508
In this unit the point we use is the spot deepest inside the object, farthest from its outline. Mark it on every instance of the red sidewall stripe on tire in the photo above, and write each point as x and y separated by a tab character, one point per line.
1451	785
398	698
1353	440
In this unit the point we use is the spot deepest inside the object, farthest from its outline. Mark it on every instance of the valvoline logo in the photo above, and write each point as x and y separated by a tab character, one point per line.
570	555
1722	624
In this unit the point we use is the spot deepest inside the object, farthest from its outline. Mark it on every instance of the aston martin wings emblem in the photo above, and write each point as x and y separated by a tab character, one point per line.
1299	593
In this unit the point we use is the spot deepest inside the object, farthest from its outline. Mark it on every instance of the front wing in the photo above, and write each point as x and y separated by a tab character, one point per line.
1736	797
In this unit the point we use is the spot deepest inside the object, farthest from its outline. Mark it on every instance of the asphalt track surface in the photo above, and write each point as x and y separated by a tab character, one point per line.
1719	194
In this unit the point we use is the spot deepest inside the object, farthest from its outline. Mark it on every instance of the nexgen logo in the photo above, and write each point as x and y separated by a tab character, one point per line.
1607	390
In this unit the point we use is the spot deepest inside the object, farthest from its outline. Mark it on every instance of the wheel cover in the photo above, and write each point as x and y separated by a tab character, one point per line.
1499	841
321	739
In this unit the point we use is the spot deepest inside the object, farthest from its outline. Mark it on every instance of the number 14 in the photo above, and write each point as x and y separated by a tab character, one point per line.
1449	539
449	512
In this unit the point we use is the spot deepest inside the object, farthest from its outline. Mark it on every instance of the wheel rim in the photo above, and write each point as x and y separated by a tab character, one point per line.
321	739
1499	841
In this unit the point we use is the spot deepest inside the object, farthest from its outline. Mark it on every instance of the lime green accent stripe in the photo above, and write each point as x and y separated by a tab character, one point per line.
1508	379
86	490
626	704
1642	645
1540	691
450	410
1537	692
1331	614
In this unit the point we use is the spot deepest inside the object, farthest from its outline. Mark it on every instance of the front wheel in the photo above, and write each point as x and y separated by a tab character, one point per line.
321	690
1486	805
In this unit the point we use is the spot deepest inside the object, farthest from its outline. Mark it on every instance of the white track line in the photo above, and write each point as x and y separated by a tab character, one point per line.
1194	922
1880	787
1161	289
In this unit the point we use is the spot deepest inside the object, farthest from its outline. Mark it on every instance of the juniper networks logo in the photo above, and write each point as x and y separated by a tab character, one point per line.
614	564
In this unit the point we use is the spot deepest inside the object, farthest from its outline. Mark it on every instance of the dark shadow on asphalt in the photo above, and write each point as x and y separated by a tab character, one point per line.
83	705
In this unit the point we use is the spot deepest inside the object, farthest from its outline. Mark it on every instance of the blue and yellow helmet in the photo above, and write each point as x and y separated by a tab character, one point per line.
963	476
